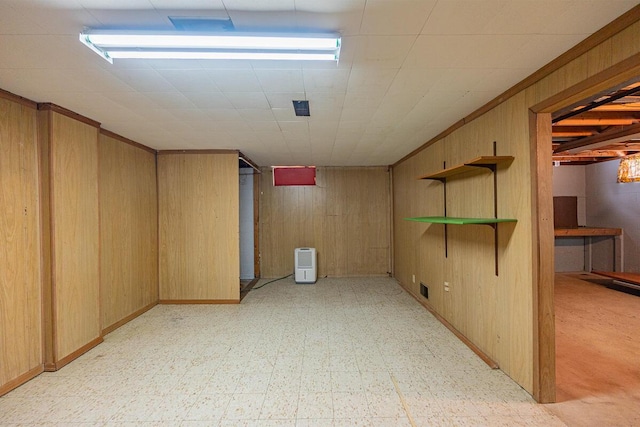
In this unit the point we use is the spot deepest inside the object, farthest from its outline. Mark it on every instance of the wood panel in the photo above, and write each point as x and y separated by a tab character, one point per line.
128	230
345	217
74	214
199	227
500	314
544	372
21	347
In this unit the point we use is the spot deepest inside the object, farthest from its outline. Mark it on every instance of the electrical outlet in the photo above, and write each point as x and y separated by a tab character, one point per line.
413	278
446	286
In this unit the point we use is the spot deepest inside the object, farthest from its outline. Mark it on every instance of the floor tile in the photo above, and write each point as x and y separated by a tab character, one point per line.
314	356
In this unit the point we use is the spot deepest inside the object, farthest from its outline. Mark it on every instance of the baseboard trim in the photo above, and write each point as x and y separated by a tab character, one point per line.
199	301
128	319
18	381
73	356
482	355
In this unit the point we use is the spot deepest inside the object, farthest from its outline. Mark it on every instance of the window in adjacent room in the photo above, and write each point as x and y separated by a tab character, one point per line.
294	175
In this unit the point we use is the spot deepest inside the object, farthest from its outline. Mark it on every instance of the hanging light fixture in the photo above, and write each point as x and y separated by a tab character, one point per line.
111	44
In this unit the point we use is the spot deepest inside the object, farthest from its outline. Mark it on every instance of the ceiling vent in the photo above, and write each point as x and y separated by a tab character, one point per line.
183	23
301	108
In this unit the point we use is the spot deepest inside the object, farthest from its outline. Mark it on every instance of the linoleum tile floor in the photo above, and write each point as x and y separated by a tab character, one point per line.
341	352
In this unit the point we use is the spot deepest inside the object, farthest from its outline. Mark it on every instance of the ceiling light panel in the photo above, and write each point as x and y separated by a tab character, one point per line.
228	45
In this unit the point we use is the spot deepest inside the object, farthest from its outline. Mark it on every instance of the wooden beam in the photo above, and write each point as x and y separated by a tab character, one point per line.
597	122
616	114
601	137
544	356
571	134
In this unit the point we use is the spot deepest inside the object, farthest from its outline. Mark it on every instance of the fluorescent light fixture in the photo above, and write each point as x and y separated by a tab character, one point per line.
228	45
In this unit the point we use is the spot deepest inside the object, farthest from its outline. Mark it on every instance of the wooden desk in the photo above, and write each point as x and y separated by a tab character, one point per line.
588	233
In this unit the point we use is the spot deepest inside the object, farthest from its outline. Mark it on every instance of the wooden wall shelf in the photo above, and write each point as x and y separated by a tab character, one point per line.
487	162
479	163
460	221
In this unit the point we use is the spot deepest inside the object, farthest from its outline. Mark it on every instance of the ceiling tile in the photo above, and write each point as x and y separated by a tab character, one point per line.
259	5
283	100
287	114
224	114
384	17
343	16
456	51
253	114
257	125
371	81
408	70
235	80
169	100
382	51
462	16
281	80
248	100
273	19
325	101
191	4
190	80
143	80
208	100
325	80
294	127
416	80
540	49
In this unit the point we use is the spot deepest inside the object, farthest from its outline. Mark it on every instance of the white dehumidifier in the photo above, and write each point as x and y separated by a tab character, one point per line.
305	262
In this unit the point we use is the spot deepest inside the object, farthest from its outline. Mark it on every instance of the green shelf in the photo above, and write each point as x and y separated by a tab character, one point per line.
459	221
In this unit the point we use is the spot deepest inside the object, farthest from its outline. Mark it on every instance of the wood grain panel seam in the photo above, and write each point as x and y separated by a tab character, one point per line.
127	319
79	352
48	106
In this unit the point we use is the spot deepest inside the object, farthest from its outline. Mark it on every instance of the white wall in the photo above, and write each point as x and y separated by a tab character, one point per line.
246	224
570	181
610	204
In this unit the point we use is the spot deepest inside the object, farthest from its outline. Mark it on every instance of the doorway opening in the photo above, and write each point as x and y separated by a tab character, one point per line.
589	348
249	223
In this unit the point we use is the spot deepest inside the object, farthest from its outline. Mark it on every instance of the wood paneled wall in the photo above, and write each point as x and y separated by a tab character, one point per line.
21	349
128	230
199	227
345	217
499	314
70	150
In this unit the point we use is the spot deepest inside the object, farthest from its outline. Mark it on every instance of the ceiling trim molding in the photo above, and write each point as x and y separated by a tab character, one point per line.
121	138
48	106
608	31
213	151
17	98
248	161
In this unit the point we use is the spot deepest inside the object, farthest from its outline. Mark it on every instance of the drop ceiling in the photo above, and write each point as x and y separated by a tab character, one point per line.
408	70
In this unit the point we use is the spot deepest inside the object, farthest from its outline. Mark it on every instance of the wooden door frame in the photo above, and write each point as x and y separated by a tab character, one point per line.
544	370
